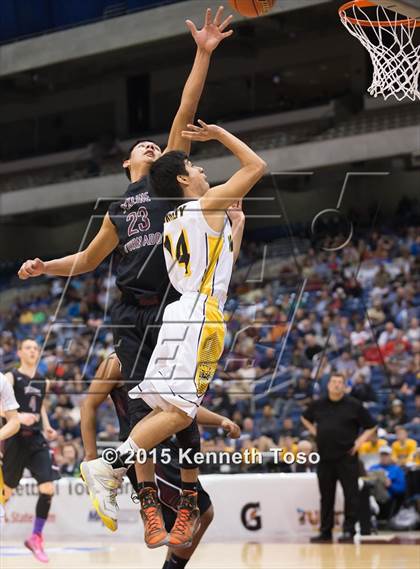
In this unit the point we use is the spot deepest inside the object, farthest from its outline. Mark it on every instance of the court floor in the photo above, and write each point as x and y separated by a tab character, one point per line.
220	556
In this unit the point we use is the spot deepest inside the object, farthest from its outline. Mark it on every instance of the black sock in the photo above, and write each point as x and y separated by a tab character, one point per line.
120	460
124	455
176	562
142	485
43	506
189	486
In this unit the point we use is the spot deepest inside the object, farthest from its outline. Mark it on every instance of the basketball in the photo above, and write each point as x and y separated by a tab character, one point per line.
252	8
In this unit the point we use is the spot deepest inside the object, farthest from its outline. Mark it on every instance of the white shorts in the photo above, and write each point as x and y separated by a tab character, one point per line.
185	358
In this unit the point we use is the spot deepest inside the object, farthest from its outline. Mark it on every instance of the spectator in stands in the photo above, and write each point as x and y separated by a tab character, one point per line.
288	428
376	313
67	352
360	335
390	333
364	368
312	346
413	331
306	448
220	401
393	480
361	390
369	450
404	448
345	365
302	389
69	461
396	416
381	280
287	445
109	433
268	425
69	428
249	432
409	378
398	364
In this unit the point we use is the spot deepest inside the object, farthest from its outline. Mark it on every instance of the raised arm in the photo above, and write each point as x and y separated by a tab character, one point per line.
106	378
85	261
207	39
237	218
216	200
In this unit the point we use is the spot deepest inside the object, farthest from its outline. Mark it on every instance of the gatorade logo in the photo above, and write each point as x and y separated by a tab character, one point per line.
250	516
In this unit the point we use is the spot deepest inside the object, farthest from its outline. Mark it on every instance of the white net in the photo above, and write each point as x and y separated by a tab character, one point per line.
391	42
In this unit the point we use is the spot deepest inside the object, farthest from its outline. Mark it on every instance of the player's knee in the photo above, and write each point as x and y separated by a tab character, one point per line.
189	440
181	419
46	488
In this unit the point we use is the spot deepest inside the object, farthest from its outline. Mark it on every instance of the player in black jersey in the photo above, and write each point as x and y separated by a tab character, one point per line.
133	229
133	226
109	381
29	448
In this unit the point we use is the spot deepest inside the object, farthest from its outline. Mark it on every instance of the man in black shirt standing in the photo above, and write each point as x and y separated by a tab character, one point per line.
340	424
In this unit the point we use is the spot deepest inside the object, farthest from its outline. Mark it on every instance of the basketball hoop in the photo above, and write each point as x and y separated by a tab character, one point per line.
389	39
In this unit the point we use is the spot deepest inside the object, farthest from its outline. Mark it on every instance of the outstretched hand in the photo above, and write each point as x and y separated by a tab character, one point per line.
232	429
213	32
50	434
202	133
31	268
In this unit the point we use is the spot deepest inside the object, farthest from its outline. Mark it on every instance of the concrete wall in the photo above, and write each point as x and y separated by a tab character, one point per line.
266	209
292	158
117	33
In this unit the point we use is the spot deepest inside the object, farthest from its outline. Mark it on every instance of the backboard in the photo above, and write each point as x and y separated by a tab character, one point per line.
409	8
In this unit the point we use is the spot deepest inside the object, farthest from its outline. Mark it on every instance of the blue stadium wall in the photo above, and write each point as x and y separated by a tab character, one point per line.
23	18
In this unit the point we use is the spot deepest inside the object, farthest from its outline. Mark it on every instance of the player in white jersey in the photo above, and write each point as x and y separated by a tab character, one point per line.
8	409
199	260
199	256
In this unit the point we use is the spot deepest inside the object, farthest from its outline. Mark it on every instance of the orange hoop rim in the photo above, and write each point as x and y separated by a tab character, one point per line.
410	22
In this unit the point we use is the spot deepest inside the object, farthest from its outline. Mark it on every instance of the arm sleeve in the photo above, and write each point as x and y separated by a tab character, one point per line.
7	397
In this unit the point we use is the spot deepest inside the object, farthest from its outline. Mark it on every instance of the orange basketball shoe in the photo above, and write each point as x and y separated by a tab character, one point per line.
187	521
155	533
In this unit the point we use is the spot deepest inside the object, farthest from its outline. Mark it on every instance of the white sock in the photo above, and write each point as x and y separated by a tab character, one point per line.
128	446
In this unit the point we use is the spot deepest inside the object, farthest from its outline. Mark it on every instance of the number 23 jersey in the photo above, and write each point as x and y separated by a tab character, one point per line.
198	259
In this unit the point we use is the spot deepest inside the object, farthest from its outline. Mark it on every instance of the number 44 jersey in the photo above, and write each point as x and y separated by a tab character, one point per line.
198	259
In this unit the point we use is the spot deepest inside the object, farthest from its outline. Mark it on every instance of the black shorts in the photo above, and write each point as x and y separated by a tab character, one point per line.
28	451
135	329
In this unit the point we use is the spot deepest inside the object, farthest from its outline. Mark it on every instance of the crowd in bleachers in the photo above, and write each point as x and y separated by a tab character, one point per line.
358	315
